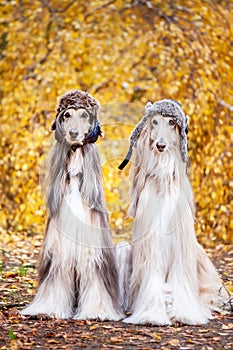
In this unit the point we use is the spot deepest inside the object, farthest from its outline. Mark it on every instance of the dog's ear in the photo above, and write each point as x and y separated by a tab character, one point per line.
53	125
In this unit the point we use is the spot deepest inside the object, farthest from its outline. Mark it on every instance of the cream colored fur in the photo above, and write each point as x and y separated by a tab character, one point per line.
172	278
77	267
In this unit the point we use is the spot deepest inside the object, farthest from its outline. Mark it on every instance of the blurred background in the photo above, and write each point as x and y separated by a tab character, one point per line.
125	53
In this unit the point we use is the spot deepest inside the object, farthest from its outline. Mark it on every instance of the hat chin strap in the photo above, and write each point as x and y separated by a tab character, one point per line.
127	158
92	137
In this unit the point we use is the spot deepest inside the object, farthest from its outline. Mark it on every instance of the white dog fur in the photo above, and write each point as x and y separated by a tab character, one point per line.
172	278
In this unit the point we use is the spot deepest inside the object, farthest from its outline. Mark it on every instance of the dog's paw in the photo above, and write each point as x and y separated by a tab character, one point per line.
43	314
148	320
184	320
98	316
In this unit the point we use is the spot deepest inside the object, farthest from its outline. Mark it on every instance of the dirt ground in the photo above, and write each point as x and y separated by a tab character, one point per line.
20	332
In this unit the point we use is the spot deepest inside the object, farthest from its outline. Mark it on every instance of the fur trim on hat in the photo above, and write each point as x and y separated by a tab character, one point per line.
166	108
78	99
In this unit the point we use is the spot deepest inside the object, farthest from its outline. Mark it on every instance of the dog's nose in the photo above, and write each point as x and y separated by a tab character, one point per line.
160	146
73	133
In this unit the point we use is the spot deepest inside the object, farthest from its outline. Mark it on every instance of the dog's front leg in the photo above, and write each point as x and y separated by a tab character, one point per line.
98	289
55	293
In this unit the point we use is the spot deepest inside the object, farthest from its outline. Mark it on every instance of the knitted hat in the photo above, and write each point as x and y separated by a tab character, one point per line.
77	99
166	108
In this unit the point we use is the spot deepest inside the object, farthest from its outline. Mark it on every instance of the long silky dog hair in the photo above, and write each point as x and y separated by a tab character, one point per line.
173	280
77	269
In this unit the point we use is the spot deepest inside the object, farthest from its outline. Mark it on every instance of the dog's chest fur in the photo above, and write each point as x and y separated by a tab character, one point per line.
75	165
74	209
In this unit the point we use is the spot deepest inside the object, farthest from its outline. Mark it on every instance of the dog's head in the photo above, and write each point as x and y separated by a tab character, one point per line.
76	121
163	125
163	132
74	125
167	124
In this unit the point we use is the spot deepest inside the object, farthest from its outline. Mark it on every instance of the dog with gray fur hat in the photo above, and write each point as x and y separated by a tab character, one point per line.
173	280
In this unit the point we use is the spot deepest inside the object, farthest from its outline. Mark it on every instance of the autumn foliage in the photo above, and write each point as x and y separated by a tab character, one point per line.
124	53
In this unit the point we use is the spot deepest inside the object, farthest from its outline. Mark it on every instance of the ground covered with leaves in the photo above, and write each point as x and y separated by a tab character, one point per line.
123	52
18	283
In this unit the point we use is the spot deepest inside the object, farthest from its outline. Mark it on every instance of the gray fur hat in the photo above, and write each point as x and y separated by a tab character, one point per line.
166	108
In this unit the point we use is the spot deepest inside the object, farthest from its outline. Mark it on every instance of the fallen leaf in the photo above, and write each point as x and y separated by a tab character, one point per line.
227	326
174	342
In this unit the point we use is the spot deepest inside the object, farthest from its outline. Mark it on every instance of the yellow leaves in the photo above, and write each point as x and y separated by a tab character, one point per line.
10	274
227	326
53	341
230	287
213	195
22	207
93	327
13	286
157	336
118	55
116	340
174	342
172	90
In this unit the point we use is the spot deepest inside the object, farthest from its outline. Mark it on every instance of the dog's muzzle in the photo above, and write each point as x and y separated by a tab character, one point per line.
160	146
73	133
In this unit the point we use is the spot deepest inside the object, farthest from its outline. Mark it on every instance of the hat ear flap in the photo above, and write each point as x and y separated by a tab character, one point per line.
101	133
148	106
53	126
186	124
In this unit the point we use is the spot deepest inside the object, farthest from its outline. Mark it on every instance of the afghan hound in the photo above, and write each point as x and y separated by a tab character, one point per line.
173	280
77	266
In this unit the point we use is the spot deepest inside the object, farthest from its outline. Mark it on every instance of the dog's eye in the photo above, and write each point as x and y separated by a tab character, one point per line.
155	122
84	115
67	115
172	122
